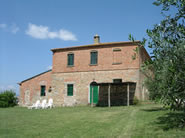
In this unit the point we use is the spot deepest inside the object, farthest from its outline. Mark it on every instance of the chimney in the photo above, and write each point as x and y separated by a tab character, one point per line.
96	39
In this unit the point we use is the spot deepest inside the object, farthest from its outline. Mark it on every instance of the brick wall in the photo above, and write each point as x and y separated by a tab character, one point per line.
114	62
105	59
30	89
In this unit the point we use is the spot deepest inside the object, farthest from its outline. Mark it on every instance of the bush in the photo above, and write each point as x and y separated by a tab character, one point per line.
135	101
8	98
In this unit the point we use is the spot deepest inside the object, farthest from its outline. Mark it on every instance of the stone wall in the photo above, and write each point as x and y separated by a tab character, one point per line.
142	75
81	82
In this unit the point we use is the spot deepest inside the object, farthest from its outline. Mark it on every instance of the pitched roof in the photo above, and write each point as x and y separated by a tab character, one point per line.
97	45
34	76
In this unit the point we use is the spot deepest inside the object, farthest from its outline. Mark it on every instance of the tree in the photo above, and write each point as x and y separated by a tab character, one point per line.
167	41
8	98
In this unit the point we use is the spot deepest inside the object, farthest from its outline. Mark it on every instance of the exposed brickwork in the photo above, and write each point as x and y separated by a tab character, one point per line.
114	62
30	89
105	59
82	80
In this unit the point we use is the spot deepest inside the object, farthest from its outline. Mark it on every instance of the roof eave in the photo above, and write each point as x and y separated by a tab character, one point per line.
95	45
33	77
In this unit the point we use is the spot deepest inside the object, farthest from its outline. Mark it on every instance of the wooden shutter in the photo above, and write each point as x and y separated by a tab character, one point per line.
94	57
70	59
70	90
43	88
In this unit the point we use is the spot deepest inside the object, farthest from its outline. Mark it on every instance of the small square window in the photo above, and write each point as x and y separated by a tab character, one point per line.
117	80
116	49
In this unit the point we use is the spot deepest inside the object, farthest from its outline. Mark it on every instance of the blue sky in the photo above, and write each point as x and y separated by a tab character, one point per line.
29	29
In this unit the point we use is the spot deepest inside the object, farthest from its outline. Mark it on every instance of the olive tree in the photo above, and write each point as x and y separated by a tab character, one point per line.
167	41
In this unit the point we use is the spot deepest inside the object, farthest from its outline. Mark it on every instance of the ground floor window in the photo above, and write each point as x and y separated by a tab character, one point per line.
117	80
43	90
70	90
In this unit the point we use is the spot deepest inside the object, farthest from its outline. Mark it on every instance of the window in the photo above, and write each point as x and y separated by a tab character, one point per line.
70	60
116	49
42	90
117	80
117	56
70	90
94	57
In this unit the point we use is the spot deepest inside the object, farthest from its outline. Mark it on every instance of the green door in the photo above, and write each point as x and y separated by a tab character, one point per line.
95	94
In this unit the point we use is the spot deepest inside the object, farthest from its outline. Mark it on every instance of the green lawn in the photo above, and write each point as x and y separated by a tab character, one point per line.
147	120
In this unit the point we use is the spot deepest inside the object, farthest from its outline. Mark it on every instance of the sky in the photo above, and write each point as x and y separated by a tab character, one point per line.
29	29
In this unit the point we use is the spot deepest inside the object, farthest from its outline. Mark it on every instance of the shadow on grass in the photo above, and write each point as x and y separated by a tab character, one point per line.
154	109
172	120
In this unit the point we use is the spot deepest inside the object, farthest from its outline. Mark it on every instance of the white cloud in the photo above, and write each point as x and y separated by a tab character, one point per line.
40	32
10	28
66	35
49	67
43	32
14	29
52	35
3	26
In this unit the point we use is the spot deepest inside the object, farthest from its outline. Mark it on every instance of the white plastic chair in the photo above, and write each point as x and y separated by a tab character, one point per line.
50	103
32	106
44	104
36	105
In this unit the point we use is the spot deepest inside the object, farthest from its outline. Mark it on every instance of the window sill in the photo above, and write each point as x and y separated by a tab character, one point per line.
117	63
93	64
70	66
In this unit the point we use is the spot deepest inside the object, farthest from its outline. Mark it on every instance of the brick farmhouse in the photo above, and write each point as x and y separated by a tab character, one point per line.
75	68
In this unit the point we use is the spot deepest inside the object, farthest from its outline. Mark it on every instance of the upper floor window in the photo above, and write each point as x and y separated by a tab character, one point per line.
42	90
117	56
94	57
70	60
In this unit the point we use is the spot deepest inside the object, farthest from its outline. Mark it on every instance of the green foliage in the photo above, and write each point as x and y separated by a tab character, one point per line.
179	4
8	99
167	40
136	50
152	86
166	69
136	101
131	37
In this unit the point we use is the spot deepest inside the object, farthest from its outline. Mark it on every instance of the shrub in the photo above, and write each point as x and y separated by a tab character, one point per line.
135	101
8	98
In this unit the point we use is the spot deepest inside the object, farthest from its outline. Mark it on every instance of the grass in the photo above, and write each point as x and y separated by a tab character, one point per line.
148	120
